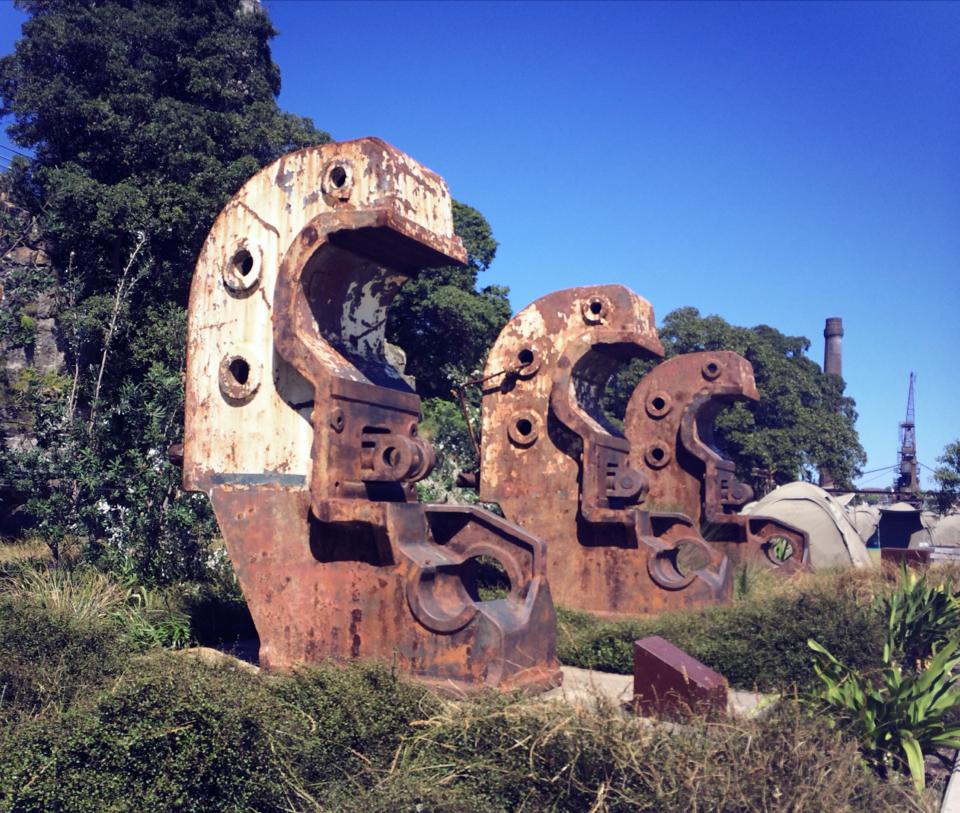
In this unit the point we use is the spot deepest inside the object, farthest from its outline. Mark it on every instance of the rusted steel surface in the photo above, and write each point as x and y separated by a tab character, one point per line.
558	470
669	683
669	423
307	439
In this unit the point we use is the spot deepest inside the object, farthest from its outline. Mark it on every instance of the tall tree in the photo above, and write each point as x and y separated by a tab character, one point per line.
144	117
443	323
947	476
803	421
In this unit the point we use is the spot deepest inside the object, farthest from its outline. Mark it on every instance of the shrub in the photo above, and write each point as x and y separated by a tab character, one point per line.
177	734
49	660
171	735
501	755
759	642
904	710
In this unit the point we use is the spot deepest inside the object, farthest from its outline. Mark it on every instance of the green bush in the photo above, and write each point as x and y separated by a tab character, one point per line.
48	660
171	735
351	723
759	642
905	710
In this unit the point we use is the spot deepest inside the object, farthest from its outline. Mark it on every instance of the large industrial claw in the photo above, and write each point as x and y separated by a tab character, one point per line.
557	468
307	441
670	425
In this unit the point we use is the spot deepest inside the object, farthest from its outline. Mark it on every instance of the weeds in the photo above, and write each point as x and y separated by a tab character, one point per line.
903	710
498	754
760	641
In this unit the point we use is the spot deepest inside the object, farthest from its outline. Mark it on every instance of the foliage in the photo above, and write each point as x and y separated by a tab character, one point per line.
803	421
758	642
899	714
50	659
144	118
906	708
175	733
443	425
503	754
85	596
920	618
443	323
947	476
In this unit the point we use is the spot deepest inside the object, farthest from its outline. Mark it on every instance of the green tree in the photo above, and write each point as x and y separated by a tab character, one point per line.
442	322
144	117
803	421
947	476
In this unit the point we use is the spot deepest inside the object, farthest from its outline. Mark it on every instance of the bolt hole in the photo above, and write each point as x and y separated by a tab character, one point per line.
338	177
781	549
487	579
525	356
712	368
690	558
243	262
240	370
391	456
595	307
659	403
657	453
524	427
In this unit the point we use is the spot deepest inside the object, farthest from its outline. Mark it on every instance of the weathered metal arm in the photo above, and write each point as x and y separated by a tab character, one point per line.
670	422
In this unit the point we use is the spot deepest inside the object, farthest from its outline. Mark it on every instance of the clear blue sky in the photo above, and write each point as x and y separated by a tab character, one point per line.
771	163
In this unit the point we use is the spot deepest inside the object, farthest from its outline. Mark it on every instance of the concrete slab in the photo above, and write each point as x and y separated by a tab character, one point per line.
587	686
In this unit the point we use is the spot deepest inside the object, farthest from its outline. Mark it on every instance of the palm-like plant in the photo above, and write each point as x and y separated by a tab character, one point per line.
901	714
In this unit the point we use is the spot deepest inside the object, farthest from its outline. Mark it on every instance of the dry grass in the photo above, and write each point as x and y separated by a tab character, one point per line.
27	550
503	755
83	595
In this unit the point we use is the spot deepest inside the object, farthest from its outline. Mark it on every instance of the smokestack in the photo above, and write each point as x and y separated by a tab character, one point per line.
832	363
833	346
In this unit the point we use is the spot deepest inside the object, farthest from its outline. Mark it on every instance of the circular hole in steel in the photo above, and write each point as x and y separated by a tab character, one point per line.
658	404
596	307
779	549
488	579
240	370
657	455
711	370
239	379
690	557
391	456
523	428
243	262
338	176
525	356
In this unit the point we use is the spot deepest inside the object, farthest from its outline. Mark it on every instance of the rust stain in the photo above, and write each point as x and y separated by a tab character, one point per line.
336	556
557	468
670	418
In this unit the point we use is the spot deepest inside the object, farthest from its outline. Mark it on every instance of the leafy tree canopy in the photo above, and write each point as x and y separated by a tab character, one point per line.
803	421
440	319
947	475
144	117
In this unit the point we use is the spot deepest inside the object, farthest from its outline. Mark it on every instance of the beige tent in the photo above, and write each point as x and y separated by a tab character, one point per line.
834	541
865	519
946	533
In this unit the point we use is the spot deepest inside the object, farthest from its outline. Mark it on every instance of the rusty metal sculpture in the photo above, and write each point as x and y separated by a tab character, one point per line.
557	469
669	422
307	442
